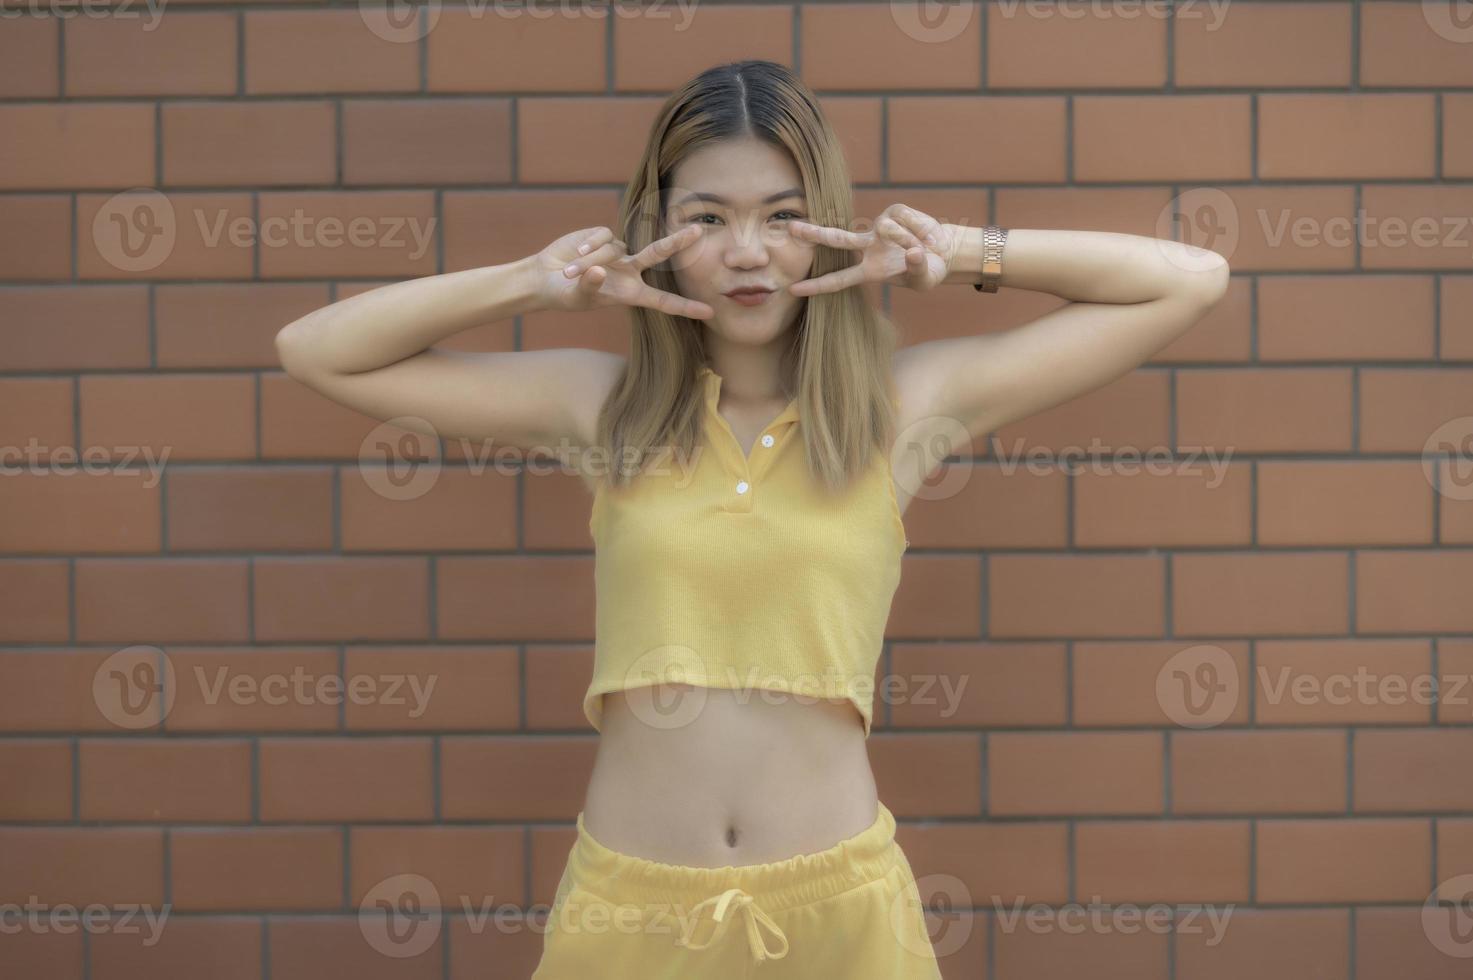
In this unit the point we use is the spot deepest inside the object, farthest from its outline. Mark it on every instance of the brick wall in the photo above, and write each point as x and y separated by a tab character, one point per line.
1206	681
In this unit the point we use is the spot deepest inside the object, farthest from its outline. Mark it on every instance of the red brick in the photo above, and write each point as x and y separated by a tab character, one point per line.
1163	137
1343	860
1413	770
1268	944
77	144
1263	44
1401	45
1306	503
222	948
1192	504
67	328
1323	135
161	600
37	776
975	685
505	48
1075	595
427	141
1178	861
217	144
34	600
1251	772
257	869
165	780
319	51
475	688
494	778
69	509
1345	318
338	599
660	48
213	325
190	53
863	46
1422	591
203	236
242	508
1343	682
81	865
28	57
309	235
464	864
36	235
1264	410
1056	773
338	779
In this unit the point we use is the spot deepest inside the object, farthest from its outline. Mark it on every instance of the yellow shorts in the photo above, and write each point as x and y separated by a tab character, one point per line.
852	910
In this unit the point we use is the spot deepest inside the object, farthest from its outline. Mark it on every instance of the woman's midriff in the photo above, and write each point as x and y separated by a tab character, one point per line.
746	777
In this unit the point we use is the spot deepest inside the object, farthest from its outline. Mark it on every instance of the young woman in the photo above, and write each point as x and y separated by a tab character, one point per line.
747	524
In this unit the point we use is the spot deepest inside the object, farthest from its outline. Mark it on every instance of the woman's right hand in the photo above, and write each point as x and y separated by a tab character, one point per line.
602	273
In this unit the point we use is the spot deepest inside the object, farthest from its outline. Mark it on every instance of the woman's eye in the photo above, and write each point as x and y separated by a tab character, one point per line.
793	215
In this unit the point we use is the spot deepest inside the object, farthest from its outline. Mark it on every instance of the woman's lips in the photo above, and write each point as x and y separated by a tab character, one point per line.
750	299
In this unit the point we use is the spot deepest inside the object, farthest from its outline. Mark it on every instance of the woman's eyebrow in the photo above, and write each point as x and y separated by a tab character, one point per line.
718	199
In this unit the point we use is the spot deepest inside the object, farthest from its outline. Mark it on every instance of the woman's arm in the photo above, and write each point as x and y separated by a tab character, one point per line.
375	353
385	325
1131	295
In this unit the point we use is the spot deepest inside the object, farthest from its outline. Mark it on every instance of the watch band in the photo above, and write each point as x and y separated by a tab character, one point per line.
993	240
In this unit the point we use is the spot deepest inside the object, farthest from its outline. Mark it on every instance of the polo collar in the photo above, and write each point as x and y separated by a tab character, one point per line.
712	381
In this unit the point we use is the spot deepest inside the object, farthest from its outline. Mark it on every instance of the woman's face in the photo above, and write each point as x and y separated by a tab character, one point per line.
745	238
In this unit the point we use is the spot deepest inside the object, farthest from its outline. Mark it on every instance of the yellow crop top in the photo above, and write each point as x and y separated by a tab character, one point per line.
724	570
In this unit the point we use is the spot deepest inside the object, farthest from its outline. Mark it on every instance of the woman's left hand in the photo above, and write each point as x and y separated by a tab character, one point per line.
907	248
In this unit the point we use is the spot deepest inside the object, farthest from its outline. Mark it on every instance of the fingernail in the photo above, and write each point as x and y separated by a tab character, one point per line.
583	248
568	270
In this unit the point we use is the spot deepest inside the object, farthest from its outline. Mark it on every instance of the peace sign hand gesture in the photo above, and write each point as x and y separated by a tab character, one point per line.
589	268
907	247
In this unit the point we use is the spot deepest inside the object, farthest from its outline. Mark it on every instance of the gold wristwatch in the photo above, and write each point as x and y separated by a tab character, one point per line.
993	239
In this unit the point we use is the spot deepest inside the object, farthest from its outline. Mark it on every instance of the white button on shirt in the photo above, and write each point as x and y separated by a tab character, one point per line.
742	487
767	440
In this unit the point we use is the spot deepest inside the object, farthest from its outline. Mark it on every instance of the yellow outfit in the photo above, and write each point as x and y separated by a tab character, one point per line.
734	571
852	910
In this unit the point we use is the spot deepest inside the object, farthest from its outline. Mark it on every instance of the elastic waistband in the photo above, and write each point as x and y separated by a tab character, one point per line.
777	885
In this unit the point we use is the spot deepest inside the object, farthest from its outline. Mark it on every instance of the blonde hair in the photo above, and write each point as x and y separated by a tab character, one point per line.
838	362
